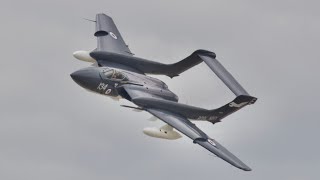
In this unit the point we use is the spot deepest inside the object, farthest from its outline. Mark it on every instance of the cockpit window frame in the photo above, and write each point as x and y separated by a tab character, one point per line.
113	76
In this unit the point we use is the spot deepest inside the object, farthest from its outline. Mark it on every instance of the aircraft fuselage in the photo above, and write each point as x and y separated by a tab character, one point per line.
108	81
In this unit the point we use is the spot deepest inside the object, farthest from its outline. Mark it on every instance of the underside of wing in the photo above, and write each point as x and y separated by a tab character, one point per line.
192	131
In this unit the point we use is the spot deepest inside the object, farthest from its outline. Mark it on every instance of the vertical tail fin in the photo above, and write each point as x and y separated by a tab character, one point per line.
109	37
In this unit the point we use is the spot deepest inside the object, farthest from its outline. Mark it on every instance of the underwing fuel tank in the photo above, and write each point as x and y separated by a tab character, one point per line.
162	133
83	56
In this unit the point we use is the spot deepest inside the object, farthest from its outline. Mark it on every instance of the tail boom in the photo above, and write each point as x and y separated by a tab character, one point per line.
196	113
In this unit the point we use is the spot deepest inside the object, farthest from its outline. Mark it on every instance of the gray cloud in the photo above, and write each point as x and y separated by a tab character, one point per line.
52	129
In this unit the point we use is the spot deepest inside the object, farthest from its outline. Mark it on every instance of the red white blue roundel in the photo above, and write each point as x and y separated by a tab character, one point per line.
113	35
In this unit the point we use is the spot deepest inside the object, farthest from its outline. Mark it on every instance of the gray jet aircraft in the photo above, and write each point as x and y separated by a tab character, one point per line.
118	74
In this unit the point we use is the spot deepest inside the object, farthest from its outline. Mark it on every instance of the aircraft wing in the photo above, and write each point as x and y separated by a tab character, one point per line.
180	123
108	36
199	137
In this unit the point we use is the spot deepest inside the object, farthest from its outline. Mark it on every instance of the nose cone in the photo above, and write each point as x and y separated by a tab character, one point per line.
88	78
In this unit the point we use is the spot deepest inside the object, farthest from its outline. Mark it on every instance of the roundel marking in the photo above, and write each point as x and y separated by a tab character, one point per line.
113	35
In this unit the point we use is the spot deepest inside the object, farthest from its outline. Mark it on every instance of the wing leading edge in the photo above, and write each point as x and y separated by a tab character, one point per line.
199	137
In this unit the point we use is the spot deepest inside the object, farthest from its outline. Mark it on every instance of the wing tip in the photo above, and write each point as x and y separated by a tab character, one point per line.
247	169
244	167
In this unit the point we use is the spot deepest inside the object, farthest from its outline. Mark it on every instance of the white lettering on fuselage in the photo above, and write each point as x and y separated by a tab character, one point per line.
102	86
108	91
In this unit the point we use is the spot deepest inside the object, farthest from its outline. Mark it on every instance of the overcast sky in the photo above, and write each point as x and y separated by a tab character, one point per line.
50	128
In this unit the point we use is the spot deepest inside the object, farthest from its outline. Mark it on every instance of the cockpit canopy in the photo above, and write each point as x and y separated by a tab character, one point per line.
113	75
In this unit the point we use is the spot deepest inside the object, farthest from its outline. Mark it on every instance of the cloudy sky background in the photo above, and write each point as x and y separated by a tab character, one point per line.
50	128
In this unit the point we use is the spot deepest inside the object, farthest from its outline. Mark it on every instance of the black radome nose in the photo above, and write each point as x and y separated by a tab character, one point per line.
76	76
88	78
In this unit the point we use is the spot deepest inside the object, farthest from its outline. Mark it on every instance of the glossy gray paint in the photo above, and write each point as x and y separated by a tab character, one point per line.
153	95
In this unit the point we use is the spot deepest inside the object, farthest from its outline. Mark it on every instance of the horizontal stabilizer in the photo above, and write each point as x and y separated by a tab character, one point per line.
210	59
224	75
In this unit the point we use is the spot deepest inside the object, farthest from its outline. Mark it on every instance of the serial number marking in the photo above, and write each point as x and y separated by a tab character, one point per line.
209	118
103	87
202	118
233	104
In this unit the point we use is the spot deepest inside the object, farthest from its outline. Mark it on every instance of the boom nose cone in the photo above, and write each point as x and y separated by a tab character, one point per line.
88	78
76	76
